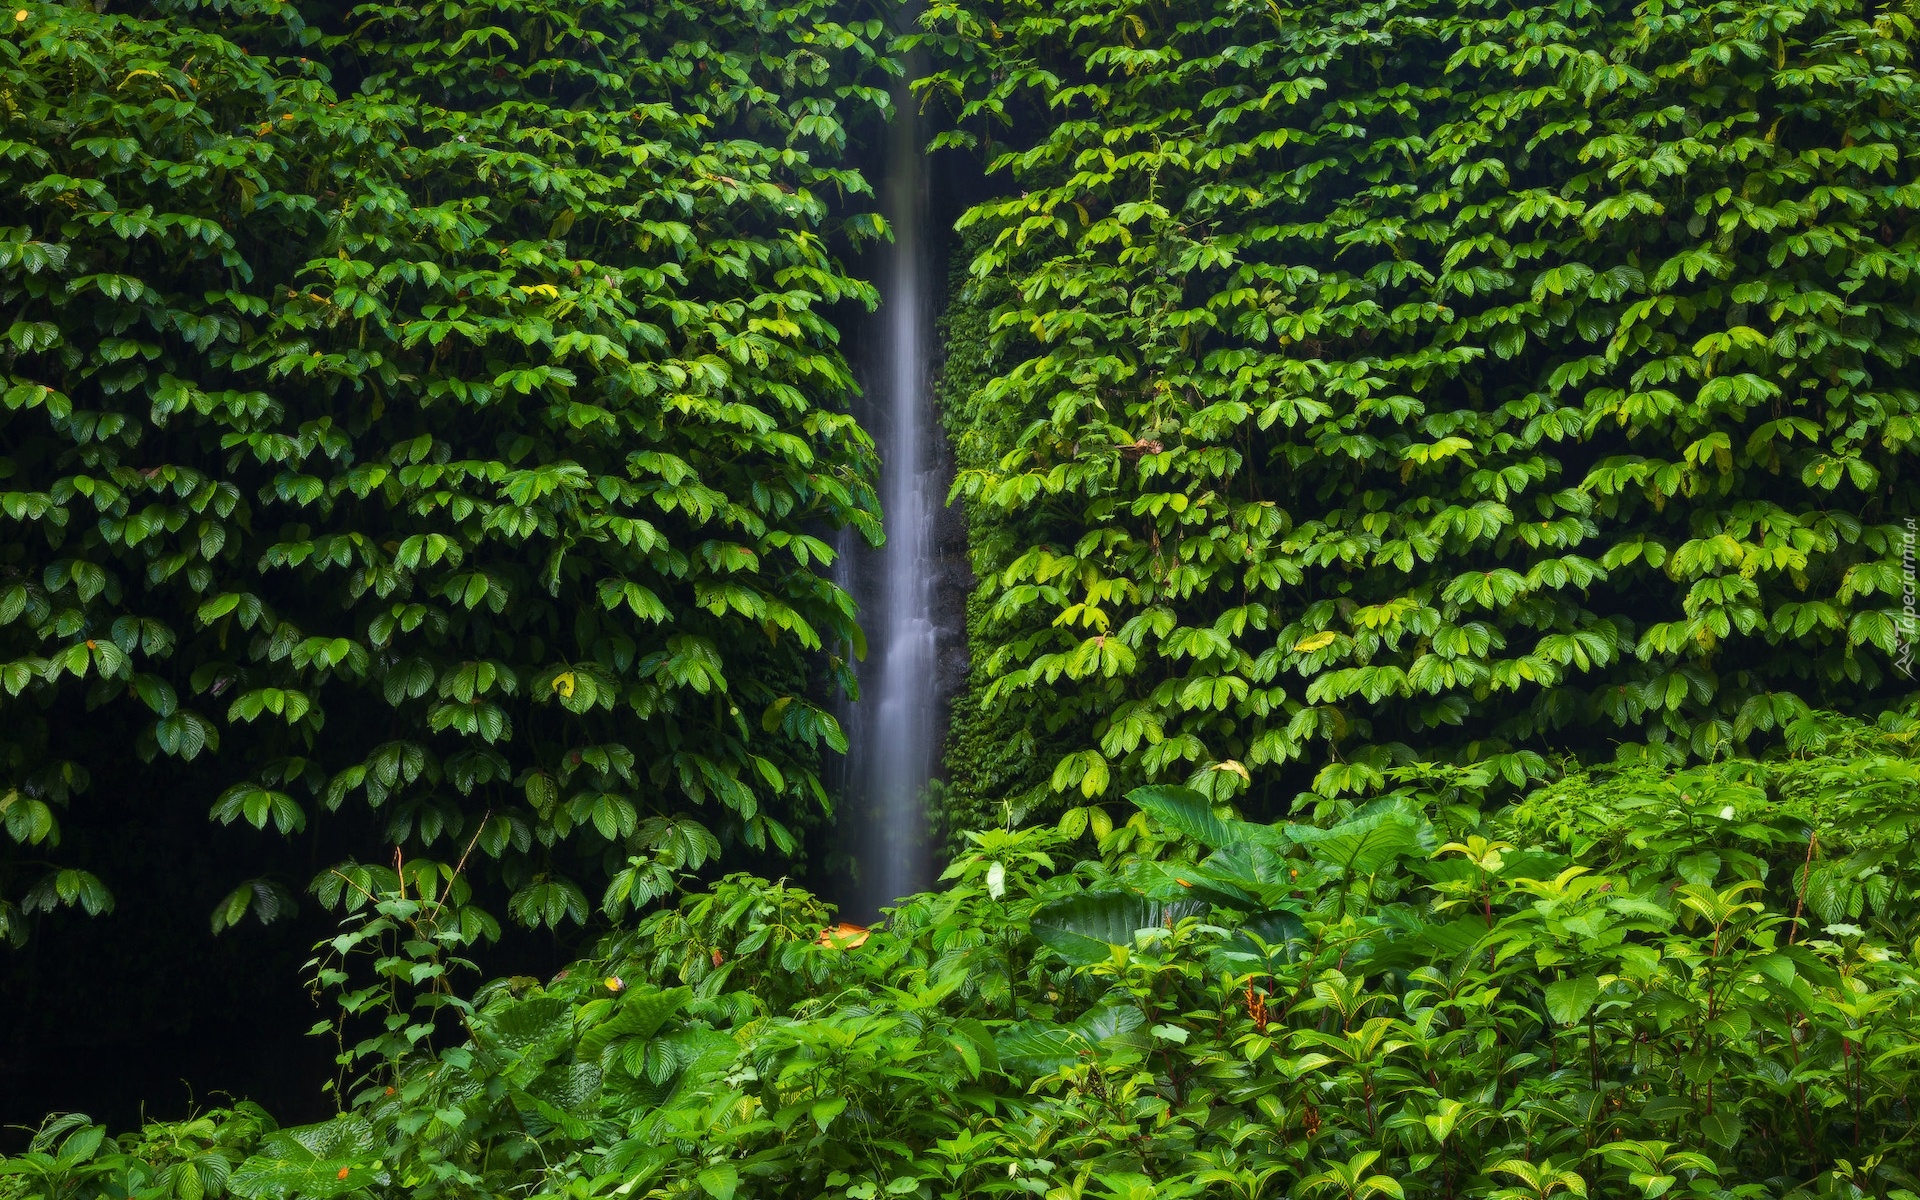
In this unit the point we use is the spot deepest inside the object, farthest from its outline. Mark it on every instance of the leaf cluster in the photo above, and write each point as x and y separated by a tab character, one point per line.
433	412
1622	986
1369	383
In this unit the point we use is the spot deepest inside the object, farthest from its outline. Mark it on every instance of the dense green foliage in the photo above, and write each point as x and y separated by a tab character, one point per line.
1634	984
452	378
1379	382
427	422
994	750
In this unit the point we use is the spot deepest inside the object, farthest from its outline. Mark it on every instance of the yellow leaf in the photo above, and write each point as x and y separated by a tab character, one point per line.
564	683
1234	767
1318	641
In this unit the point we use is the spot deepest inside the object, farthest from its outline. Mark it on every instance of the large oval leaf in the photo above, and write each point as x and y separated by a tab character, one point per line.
1084	929
640	1015
1187	812
1363	844
1041	1047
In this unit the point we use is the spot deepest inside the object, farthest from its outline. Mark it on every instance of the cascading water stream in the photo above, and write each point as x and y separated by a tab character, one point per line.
894	728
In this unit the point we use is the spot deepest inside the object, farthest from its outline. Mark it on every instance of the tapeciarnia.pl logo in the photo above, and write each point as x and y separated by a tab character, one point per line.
1903	658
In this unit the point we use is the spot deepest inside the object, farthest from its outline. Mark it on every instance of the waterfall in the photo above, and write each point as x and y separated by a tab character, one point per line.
894	728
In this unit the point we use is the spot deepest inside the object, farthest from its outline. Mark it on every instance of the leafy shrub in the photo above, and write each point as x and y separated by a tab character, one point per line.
479	410
1632	984
1383	381
70	1159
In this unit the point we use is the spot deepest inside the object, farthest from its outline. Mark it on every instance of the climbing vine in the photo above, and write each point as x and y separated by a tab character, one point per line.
453	378
1475	381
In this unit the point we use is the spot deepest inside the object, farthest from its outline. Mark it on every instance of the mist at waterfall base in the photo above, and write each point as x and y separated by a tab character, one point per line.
895	728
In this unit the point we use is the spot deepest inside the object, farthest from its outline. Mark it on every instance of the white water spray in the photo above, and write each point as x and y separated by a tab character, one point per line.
894	728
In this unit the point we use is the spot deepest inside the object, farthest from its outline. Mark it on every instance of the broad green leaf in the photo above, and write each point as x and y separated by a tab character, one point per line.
1569	1000
1084	929
1189	813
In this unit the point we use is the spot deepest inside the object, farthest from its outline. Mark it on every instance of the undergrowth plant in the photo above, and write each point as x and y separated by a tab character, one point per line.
1637	983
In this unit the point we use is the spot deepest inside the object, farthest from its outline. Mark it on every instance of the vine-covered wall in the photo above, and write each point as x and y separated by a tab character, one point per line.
422	429
995	761
1389	381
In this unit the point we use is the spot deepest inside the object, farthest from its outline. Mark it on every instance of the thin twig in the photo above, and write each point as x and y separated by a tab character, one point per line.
1806	877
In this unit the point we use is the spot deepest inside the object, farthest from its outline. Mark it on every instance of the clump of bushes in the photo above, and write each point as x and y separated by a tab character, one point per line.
1634	983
